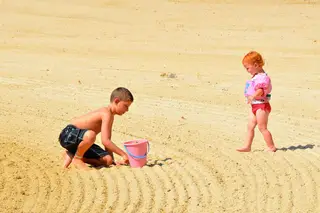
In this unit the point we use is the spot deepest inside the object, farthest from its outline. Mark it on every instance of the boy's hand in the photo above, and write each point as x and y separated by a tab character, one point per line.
124	161
125	158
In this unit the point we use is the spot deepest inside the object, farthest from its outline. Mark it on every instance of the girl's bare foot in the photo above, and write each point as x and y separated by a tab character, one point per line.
244	149
272	149
67	159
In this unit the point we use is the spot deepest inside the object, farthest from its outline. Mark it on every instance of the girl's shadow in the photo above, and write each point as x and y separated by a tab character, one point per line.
294	148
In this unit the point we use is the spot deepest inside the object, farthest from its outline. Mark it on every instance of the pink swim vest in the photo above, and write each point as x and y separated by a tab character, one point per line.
259	81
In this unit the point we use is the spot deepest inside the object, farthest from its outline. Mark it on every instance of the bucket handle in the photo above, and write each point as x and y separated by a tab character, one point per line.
138	157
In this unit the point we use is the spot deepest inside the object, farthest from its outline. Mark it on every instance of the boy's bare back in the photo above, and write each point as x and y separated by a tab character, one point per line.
93	120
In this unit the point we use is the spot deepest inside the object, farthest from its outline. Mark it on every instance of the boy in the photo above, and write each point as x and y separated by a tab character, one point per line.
78	137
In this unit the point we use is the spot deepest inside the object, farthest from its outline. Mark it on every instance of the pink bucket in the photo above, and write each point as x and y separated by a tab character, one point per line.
137	151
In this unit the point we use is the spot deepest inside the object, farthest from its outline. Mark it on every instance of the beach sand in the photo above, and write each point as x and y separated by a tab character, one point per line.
60	59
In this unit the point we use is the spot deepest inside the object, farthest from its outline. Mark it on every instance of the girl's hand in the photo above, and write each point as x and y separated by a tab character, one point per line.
249	99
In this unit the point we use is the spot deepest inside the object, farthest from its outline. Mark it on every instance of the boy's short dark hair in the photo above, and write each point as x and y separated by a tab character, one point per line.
122	93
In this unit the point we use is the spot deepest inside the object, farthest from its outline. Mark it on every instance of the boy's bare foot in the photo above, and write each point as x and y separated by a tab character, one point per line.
67	159
78	162
244	149
272	149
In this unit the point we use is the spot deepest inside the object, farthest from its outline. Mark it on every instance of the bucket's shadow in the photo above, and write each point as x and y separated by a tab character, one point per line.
158	162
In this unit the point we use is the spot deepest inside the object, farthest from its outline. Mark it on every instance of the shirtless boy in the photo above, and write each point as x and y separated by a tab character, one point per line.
79	136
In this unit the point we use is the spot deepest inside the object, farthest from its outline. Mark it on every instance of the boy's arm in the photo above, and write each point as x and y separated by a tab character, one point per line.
106	127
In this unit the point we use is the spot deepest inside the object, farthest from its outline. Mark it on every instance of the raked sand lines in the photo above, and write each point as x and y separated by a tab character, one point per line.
269	173
135	192
11	190
124	196
114	189
183	182
218	180
178	181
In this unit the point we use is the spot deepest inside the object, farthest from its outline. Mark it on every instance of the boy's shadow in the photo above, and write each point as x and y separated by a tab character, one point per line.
294	148
151	163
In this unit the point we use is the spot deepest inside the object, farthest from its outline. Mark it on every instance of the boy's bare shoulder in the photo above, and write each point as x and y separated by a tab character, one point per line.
92	119
104	111
101	113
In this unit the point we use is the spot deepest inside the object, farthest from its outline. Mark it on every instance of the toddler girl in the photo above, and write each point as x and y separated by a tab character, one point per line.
257	93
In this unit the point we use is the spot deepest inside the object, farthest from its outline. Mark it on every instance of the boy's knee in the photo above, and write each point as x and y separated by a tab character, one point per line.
107	160
90	135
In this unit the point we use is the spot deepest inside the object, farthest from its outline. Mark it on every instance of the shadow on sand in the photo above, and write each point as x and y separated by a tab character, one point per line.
158	162
290	148
294	148
151	163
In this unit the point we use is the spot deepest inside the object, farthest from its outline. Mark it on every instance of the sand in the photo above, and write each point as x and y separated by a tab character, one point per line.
60	59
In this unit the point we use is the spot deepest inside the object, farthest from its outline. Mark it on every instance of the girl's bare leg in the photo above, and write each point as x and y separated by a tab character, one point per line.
262	120
250	133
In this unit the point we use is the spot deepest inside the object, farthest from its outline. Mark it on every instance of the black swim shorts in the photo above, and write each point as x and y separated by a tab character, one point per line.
71	136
